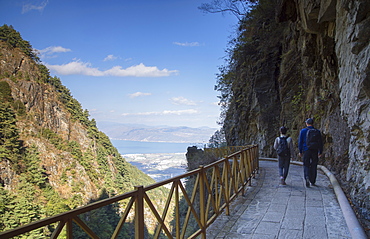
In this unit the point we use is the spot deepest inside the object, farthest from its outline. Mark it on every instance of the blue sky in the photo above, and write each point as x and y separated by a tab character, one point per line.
150	62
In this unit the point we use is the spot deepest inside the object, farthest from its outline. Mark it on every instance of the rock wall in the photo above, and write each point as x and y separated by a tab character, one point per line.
317	66
353	52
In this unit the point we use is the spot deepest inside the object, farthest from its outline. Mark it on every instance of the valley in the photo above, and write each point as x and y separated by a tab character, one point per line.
159	166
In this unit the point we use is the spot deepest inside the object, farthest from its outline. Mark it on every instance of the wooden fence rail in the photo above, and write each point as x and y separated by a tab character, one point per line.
215	186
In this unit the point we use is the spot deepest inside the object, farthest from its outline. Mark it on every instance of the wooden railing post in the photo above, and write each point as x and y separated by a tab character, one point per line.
244	169
227	185
250	160
177	208
202	201
139	212
69	228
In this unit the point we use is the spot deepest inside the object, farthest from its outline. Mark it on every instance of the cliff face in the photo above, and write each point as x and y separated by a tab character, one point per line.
312	61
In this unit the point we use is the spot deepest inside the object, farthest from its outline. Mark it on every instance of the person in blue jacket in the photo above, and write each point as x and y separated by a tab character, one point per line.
310	145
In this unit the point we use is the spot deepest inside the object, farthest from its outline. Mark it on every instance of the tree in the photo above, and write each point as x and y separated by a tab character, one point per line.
10	146
18	208
35	173
237	7
5	92
102	220
14	39
217	139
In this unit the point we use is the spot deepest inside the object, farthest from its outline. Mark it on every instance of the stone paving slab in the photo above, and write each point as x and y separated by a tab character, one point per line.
269	210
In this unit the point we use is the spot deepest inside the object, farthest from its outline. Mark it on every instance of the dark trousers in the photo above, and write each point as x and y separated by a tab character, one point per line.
310	160
284	163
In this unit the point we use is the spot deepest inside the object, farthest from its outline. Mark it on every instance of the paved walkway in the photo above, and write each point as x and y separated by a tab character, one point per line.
269	210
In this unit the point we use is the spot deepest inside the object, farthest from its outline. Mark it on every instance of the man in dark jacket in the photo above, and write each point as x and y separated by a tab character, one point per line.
311	146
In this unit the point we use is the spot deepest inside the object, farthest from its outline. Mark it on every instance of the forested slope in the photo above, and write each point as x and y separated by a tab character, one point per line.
53	157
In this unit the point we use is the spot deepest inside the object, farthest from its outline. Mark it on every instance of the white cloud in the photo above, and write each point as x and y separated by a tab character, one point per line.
75	68
180	112
81	68
139	71
137	94
182	101
34	5
187	43
53	49
110	58
165	112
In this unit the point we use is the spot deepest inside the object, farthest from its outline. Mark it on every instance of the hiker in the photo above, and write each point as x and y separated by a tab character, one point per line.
311	146
285	151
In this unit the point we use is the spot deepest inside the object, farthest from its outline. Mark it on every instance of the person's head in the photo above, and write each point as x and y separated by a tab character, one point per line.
283	130
309	121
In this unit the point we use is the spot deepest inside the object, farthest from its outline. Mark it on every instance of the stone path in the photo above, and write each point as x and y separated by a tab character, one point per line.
269	210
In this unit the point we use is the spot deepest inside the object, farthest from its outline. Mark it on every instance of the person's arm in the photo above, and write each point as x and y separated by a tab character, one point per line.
291	148
300	141
276	143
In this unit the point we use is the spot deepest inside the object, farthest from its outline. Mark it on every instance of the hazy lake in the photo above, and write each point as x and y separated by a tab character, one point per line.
156	159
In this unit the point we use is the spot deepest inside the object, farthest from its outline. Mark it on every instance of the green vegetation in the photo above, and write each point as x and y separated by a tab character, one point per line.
36	157
19	208
73	106
217	140
248	82
14	39
11	147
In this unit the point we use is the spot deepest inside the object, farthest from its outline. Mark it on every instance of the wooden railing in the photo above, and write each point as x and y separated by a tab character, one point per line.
215	186
223	152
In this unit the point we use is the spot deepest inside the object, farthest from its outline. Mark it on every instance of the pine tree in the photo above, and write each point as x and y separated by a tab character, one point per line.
10	146
14	39
18	208
34	174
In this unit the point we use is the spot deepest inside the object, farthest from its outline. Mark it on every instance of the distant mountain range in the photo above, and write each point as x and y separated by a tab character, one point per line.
137	132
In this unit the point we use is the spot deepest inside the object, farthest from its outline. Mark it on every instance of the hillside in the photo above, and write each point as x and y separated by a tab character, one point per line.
53	157
297	59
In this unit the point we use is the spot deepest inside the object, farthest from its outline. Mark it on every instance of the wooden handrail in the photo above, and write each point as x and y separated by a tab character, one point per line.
216	185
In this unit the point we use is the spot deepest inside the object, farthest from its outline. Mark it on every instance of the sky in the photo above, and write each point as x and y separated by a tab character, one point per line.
151	62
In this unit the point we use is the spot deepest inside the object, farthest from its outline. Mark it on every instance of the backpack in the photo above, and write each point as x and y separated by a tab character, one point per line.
283	149
313	138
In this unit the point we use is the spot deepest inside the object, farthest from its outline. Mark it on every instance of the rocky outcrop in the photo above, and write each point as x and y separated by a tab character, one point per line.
317	66
342	30
353	52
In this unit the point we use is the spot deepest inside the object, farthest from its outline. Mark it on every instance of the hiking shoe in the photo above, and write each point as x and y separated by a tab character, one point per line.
282	181
307	183
313	184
